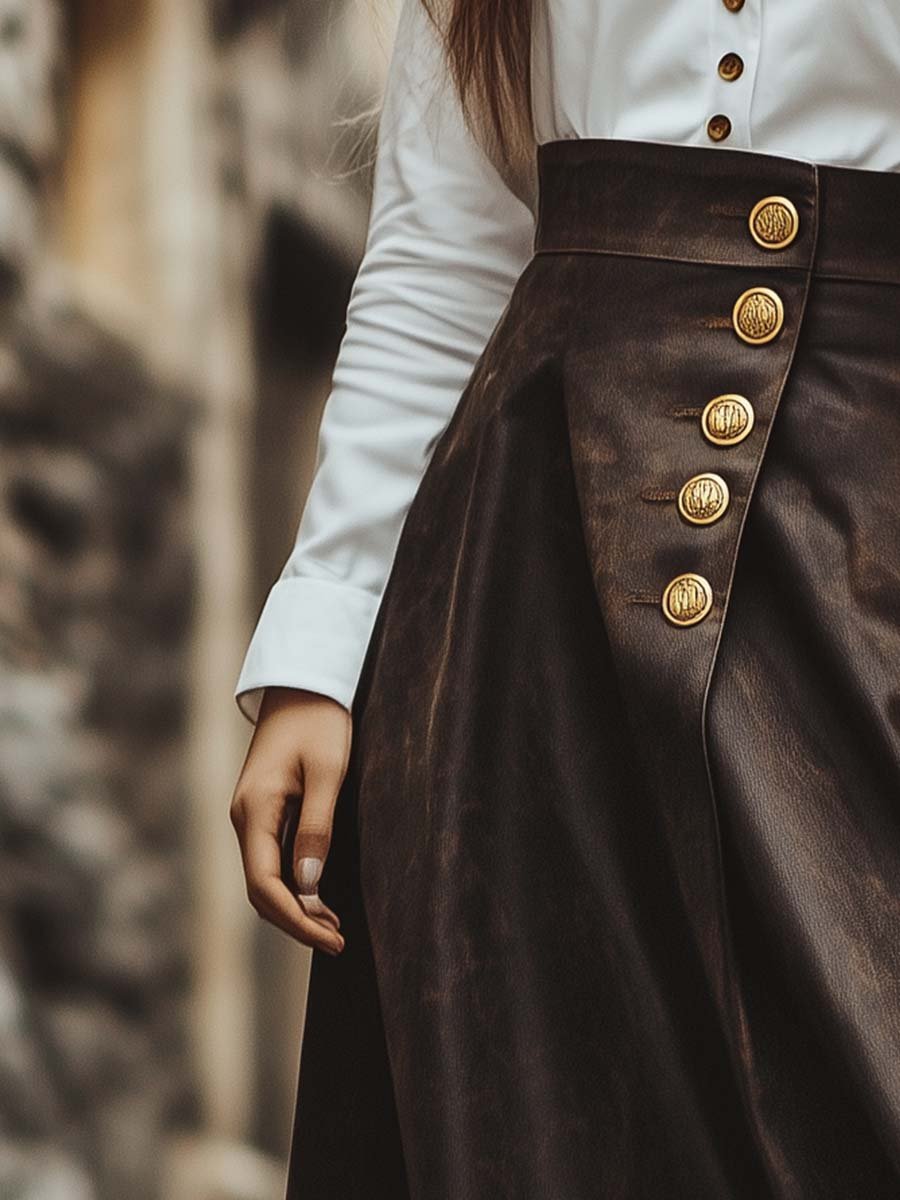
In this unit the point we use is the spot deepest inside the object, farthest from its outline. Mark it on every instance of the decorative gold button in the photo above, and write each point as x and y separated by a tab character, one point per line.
718	127
731	66
774	222
758	315
727	419
687	599
733	5
703	498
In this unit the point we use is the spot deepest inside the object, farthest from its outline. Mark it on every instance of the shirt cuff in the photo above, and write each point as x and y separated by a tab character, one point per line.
311	633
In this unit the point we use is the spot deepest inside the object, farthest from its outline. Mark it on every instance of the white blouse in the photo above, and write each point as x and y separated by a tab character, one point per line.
447	240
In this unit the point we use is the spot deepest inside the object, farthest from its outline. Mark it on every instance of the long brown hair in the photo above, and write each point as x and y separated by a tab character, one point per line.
488	48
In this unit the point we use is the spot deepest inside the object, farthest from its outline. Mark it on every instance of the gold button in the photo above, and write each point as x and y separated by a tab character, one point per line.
774	222
733	5
703	498
731	66
718	127
727	419
687	599
758	315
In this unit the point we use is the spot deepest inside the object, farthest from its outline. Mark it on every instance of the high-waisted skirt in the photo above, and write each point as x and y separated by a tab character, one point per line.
617	855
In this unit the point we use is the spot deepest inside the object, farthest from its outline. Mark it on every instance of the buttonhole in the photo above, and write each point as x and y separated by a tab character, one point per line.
644	597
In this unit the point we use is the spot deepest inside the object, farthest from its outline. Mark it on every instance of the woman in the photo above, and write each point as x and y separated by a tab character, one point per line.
603	550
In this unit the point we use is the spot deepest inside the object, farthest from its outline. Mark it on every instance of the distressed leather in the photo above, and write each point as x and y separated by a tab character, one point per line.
622	899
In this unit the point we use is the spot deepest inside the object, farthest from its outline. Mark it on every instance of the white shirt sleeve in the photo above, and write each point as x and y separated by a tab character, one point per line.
446	241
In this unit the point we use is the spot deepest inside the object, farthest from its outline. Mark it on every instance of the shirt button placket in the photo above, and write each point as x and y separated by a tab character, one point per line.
734	42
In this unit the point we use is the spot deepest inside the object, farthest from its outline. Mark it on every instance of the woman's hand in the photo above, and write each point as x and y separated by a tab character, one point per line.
300	747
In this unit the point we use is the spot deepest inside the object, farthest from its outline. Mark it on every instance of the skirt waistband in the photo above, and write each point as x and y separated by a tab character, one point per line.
715	205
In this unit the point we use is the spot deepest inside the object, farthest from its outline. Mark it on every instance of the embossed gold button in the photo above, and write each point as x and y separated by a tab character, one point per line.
703	498
733	5
774	222
718	127
687	599
731	66
758	315
727	419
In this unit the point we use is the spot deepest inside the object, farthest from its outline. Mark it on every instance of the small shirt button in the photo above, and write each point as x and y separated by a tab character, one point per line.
774	222
758	315
718	127
703	498
687	599
730	66
727	419
733	5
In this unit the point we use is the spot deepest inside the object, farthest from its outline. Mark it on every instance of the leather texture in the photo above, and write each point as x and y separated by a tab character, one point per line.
622	899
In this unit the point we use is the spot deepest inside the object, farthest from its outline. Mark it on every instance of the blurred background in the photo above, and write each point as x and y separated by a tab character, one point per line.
184	190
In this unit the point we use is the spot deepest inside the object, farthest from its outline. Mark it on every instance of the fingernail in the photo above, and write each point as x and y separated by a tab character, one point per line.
308	872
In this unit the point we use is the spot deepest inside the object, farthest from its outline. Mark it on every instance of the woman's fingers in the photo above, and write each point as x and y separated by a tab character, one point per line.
321	785
313	906
259	835
279	907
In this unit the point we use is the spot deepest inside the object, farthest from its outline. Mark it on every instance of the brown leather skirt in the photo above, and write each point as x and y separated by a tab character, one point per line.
618	851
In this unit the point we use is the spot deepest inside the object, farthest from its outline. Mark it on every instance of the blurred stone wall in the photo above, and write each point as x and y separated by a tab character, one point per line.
95	592
183	197
95	572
